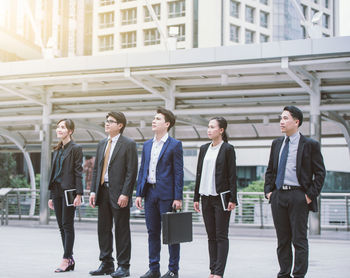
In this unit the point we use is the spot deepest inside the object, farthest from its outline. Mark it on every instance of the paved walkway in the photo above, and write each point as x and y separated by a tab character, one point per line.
28	249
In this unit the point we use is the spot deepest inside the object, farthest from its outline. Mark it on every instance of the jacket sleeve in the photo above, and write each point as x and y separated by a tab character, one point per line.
140	176
232	177
319	171
131	169
269	179
78	168
94	172
196	197
178	164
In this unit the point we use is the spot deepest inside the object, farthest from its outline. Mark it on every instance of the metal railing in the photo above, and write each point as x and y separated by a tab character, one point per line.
253	209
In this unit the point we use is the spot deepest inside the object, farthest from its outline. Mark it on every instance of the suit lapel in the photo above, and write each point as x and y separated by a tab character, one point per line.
148	148
165	146
102	153
277	152
116	148
300	153
67	151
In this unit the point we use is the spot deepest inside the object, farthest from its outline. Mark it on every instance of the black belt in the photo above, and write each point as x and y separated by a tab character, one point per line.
289	187
153	185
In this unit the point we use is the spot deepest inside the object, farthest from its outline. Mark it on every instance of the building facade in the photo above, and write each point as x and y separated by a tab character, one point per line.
129	25
33	29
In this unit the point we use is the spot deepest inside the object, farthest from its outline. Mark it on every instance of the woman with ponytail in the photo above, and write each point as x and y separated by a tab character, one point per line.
66	173
216	174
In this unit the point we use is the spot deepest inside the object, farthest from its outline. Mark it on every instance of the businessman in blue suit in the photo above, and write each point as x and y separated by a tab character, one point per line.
160	183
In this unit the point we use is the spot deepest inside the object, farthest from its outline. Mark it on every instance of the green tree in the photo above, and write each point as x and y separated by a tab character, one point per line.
255	186
7	169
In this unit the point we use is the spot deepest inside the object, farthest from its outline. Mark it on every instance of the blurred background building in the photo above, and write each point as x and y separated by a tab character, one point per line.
31	29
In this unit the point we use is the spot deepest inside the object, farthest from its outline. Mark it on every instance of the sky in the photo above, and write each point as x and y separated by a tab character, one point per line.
344	14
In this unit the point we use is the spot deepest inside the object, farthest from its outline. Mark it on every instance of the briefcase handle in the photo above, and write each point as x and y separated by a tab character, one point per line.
175	210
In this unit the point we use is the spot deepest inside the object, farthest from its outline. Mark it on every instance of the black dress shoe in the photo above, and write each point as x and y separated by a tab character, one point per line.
121	272
104	269
151	274
170	274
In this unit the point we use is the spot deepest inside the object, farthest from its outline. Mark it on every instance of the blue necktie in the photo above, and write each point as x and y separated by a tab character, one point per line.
282	165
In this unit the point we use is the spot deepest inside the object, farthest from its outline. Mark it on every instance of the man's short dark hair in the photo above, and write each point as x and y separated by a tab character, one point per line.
295	113
119	117
168	116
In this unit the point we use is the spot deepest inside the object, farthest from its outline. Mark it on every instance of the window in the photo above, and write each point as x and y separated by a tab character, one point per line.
304	9
326	3
325	20
106	42
129	16
249	36
156	9
127	0
182	32
264	19
249	14
177	8
128	39
265	2
264	38
234	33
303	29
151	36
106	2
106	20
313	11
316	1
234	9
325	35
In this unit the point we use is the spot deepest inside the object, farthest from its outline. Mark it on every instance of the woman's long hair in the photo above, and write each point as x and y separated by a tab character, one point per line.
70	126
222	124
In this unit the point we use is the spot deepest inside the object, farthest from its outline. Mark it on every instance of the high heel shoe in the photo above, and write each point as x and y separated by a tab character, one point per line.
71	265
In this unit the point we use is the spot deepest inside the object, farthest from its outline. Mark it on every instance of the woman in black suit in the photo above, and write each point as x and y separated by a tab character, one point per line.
66	173
216	173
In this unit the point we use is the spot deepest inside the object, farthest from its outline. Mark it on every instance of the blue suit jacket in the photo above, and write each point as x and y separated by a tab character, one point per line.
169	171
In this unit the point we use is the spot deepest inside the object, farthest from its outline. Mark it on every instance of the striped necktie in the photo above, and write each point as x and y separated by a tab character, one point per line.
105	162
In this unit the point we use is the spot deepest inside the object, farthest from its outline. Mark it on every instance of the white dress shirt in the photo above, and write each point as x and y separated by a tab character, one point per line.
207	185
114	142
155	152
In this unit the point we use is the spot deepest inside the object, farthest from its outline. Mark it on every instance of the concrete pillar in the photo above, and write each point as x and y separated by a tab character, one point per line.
45	165
315	133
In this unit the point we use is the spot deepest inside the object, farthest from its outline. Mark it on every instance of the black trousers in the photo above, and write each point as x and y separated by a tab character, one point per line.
216	222
65	221
290	215
121	218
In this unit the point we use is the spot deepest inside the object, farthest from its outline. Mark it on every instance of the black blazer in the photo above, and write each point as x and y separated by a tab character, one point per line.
310	168
225	171
71	168
122	169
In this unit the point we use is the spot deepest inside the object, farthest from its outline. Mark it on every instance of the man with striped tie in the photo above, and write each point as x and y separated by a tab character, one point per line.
113	180
293	180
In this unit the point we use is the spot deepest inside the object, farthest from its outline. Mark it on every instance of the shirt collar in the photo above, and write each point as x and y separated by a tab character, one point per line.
293	138
114	139
66	145
163	139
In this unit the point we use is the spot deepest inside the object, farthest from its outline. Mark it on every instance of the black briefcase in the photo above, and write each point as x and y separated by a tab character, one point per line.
177	227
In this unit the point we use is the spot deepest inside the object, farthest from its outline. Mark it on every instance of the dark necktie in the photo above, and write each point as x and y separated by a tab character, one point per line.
282	165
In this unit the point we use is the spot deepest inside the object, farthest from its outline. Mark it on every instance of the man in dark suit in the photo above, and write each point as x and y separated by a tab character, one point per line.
113	180
293	180
160	182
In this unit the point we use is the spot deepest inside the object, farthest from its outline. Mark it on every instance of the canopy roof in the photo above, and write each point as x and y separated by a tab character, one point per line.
247	84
